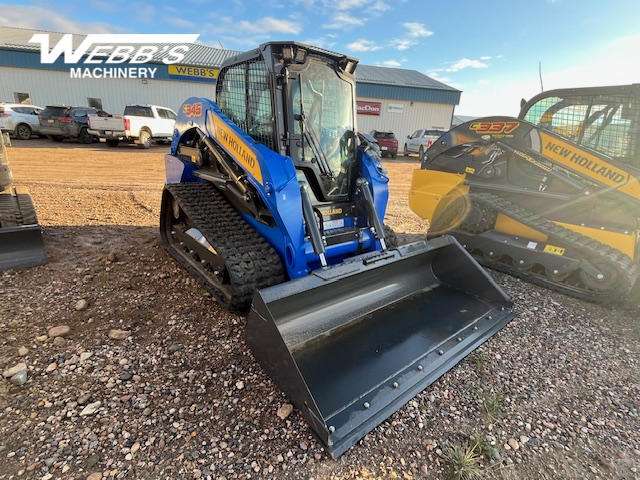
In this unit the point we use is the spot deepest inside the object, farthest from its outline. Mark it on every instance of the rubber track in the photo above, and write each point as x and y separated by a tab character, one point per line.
589	248
16	209
251	262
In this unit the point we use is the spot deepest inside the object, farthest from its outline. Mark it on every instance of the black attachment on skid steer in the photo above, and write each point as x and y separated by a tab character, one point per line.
21	247
351	344
21	243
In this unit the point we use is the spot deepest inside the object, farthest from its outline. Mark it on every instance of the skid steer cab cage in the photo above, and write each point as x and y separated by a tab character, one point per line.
352	343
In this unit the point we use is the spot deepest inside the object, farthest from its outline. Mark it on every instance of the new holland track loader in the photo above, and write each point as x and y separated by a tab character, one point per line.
272	203
21	243
552	196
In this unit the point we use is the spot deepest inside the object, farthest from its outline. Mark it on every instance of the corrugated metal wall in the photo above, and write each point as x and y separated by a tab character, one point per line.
403	118
401	92
50	87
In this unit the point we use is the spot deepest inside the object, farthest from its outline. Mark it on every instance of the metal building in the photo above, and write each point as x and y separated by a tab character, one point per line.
393	99
402	101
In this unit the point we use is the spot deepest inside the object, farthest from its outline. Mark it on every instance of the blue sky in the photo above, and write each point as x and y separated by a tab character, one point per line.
490	50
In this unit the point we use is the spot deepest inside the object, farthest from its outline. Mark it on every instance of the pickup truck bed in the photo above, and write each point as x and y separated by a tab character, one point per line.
140	124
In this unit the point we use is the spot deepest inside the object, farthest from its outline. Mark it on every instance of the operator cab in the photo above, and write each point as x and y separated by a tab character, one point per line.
315	90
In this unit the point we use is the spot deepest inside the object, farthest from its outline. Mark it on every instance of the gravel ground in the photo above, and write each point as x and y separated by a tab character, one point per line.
133	371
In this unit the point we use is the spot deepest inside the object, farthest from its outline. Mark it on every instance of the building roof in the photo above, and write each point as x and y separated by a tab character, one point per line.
400	77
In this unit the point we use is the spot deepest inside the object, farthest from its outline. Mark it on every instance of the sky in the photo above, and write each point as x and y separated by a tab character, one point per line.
495	53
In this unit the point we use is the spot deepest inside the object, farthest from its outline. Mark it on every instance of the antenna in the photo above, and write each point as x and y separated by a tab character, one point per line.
220	43
540	74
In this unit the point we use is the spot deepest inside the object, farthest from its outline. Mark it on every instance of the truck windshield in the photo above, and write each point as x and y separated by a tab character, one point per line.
324	118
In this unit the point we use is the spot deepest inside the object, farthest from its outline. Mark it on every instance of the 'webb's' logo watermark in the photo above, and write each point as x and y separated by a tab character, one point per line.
111	49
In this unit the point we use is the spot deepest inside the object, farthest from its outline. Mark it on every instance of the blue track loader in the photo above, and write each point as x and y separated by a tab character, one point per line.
276	205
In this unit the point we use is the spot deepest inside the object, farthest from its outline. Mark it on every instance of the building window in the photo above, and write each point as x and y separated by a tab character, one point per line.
95	103
24	98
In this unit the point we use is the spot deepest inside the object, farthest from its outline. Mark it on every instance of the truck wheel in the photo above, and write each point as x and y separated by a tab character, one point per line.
421	153
112	142
405	152
84	136
145	139
55	138
23	131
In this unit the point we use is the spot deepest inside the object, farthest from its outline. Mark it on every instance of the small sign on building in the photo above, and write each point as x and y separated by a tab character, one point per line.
198	74
368	108
395	108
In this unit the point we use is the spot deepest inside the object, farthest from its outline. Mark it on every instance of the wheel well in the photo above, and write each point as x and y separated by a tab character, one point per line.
146	129
18	125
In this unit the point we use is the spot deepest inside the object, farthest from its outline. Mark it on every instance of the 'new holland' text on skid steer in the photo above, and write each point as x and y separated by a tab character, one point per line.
271	202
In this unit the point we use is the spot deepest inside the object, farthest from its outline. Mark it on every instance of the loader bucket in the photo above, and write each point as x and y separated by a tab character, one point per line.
21	247
352	343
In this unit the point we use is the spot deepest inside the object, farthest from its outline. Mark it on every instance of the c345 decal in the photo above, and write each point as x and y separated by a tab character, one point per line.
192	109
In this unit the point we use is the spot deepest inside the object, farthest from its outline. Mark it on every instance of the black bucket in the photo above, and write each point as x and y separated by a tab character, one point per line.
21	247
352	343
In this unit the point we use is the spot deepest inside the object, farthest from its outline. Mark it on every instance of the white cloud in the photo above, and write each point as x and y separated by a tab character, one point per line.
108	7
436	76
466	63
305	3
391	63
379	6
414	32
182	23
402	43
344	21
363	46
39	18
269	24
417	30
346	4
324	41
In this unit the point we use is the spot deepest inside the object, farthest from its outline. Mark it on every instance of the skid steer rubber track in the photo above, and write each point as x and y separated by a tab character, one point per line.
21	243
244	259
501	252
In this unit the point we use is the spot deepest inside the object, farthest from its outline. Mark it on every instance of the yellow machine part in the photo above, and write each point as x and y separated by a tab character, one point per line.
625	242
432	190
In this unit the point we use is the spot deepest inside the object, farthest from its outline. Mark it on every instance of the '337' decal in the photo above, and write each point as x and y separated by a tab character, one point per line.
494	127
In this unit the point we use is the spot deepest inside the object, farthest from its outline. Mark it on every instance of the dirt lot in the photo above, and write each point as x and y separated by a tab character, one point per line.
553	395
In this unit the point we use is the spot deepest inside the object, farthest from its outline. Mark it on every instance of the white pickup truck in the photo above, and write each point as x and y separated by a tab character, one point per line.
140	124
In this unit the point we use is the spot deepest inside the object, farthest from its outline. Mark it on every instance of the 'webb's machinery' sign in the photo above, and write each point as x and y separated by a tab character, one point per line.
368	108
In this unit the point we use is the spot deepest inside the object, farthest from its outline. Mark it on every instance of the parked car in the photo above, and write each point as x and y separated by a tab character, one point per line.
140	124
59	122
387	141
420	140
20	120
